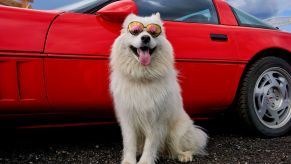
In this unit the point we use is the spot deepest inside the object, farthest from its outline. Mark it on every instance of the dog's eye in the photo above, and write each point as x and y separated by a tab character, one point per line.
153	34
154	30
135	31
135	28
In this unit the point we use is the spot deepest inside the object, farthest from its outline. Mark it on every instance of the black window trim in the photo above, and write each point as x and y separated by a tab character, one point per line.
92	9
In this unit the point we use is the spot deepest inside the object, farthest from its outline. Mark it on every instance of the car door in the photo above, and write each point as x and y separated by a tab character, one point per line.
77	64
205	51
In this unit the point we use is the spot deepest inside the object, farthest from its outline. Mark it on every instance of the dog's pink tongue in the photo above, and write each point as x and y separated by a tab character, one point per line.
144	57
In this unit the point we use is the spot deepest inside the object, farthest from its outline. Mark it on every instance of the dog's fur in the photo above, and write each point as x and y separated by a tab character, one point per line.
148	101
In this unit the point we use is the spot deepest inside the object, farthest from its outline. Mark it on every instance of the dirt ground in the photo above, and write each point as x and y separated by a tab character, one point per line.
103	144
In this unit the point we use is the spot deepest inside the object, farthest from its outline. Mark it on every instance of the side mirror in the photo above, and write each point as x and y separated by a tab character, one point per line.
118	11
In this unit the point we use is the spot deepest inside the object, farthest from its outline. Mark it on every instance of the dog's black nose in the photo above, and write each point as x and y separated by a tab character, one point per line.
145	39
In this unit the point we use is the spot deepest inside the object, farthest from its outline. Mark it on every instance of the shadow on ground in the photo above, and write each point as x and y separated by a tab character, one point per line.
103	144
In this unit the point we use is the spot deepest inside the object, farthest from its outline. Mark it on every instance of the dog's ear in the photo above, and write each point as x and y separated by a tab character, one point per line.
128	19
158	15
158	20
131	16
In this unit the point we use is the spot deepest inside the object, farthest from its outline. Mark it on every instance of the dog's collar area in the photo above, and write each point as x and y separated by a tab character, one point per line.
144	48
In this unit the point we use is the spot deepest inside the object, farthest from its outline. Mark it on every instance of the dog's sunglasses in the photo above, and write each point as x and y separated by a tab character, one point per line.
136	28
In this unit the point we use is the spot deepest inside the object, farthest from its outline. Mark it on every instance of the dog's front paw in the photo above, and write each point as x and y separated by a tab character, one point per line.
127	162
128	159
185	156
146	162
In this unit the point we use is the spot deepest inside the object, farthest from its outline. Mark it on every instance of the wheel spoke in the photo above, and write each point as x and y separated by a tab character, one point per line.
283	88
272	79
259	91
284	105
275	116
262	91
263	108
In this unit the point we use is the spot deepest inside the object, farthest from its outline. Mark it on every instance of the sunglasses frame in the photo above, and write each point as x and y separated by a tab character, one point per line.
145	27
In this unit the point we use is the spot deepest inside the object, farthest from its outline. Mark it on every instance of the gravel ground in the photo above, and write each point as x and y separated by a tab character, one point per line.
102	144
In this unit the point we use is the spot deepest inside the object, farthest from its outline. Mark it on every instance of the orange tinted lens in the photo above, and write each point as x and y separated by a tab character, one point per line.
154	29
135	28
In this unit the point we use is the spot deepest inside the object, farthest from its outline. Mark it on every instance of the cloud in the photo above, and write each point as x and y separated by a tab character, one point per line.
262	8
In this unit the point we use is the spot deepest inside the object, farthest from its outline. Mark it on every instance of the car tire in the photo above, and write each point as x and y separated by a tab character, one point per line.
265	96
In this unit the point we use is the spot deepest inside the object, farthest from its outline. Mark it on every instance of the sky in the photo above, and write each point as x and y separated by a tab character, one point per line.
51	4
260	8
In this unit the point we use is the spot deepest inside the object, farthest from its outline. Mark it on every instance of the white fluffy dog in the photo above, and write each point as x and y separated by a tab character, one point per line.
147	96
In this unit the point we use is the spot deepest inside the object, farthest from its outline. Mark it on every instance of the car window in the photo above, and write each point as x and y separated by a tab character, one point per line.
200	11
245	19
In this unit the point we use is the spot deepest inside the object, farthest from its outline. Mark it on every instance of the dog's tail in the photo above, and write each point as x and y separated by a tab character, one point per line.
201	140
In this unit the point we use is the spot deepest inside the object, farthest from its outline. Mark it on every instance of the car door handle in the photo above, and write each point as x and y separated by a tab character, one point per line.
218	37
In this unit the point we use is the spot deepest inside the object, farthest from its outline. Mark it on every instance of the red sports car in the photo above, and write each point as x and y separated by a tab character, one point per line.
54	64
